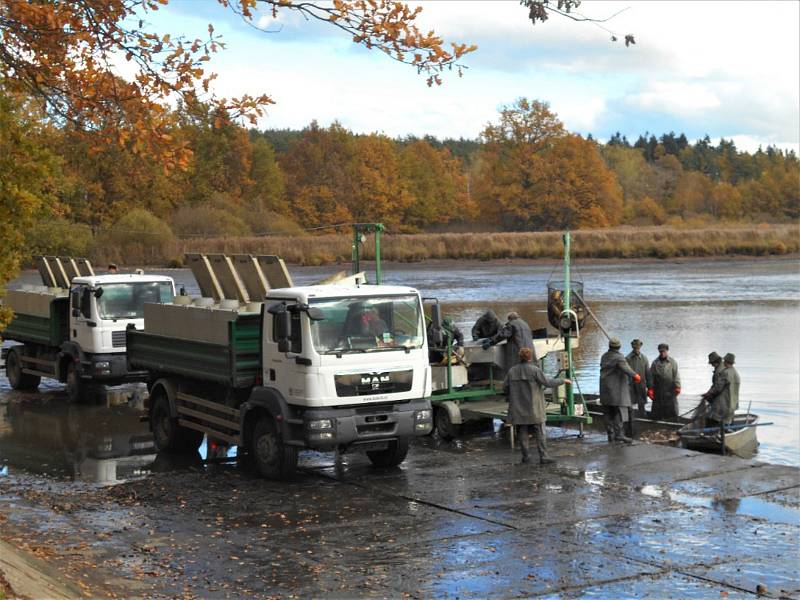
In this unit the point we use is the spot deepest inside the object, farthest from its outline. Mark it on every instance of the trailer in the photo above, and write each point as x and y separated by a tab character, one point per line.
273	368
72	328
460	395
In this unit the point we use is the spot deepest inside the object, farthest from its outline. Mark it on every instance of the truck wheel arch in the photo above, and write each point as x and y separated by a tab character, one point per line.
264	401
70	352
170	390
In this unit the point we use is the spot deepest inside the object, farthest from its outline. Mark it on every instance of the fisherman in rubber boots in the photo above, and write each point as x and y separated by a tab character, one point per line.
639	363
524	385
615	389
723	397
666	386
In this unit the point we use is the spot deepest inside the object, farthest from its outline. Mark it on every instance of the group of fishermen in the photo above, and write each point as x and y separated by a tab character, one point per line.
626	382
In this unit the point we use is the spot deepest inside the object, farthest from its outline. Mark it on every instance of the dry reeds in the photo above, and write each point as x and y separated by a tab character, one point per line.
643	242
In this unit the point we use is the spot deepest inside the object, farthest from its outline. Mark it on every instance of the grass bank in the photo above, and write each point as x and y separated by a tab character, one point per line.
643	242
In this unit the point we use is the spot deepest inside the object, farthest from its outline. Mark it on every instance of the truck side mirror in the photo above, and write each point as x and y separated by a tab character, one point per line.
98	292
86	303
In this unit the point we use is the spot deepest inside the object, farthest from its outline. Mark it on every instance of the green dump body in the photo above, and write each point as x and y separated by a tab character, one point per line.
236	364
48	331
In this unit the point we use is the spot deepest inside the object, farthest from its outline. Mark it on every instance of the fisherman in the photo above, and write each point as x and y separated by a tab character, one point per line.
639	363
524	385
486	326
519	336
615	390
364	321
112	269
450	332
715	360
723	397
666	385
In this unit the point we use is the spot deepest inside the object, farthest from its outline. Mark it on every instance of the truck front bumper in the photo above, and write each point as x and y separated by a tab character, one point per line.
110	367
326	429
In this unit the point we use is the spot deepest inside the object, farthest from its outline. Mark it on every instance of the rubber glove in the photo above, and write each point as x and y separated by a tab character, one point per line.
651	393
486	344
677	391
637	378
475	338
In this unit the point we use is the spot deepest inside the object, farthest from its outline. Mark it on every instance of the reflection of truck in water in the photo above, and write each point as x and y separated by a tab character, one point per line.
89	443
273	368
73	328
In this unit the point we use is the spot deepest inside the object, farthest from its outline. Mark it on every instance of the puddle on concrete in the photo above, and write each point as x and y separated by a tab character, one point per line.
751	506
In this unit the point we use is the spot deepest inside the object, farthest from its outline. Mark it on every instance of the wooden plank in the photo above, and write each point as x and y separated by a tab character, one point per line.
70	266
58	271
253	278
207	417
212	432
228	278
204	275
208	404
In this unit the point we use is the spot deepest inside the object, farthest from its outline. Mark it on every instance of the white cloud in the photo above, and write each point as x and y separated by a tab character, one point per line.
675	97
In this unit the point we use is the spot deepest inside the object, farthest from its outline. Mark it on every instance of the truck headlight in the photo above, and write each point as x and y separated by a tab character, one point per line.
422	415
102	367
320	424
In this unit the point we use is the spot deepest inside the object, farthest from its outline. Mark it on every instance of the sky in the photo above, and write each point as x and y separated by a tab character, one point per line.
723	69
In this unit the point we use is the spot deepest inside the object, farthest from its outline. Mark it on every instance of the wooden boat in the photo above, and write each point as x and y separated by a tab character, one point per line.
740	437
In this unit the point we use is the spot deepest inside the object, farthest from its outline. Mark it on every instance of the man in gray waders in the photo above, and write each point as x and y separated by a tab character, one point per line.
666	386
641	365
519	336
615	389
723	397
524	385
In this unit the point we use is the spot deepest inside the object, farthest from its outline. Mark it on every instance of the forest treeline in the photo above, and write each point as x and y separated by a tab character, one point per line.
525	172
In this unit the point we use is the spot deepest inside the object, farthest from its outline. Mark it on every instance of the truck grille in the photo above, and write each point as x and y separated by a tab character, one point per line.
118	339
365	384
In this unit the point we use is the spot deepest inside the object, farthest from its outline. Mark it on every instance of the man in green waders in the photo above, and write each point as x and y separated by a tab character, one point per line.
666	386
639	363
723	397
615	389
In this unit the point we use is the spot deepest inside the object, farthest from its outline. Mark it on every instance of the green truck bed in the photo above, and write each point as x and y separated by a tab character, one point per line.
236	363
49	331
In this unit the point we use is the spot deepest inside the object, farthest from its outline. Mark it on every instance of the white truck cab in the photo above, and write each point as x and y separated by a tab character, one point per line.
358	345
104	306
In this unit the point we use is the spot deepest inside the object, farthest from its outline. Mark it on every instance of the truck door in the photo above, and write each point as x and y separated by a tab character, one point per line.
285	371
81	323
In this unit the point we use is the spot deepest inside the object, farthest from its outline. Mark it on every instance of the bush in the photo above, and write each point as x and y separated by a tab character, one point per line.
208	221
138	238
59	237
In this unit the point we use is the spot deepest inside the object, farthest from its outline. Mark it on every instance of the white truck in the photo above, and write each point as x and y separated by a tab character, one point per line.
271	370
74	329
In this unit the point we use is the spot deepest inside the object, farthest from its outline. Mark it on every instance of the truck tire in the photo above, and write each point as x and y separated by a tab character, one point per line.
443	424
272	458
16	378
168	434
75	385
390	457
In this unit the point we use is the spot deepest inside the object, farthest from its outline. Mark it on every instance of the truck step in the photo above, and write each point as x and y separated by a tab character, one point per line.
231	439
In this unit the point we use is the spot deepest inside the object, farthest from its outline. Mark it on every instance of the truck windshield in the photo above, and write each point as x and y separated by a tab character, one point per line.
127	300
362	324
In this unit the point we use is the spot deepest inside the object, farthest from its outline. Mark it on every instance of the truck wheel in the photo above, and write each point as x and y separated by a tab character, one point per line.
443	424
168	435
75	387
272	458
18	379
392	456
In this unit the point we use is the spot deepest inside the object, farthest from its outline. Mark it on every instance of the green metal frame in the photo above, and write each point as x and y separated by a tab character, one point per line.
359	232
475	394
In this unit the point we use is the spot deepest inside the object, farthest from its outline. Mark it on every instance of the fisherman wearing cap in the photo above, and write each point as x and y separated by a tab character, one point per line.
723	397
112	269
519	336
639	363
524	385
666	385
450	334
615	389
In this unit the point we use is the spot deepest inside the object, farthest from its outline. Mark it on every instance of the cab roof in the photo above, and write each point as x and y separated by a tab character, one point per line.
120	278
310	292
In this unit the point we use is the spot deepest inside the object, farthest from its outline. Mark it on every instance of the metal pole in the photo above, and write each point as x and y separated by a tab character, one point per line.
568	335
356	251
378	229
449	363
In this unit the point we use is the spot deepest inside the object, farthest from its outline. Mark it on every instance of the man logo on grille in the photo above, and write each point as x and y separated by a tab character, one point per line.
374	380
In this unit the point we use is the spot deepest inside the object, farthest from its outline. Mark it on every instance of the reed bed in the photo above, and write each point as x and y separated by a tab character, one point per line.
642	242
